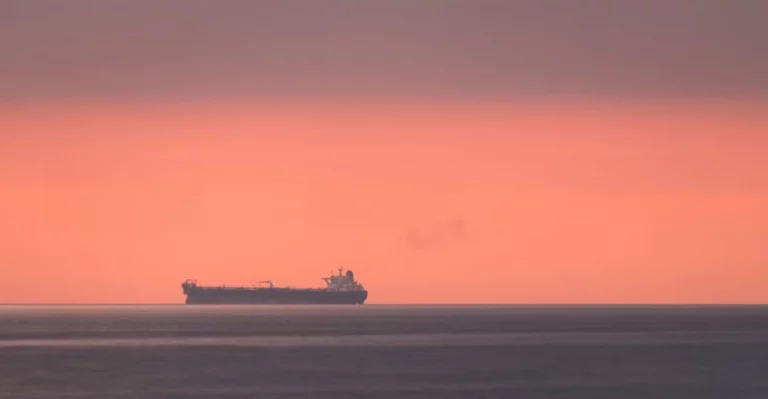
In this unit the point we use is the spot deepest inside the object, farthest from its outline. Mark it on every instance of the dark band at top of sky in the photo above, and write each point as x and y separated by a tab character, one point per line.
403	48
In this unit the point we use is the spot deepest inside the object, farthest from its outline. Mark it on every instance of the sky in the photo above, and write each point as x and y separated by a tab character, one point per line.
446	151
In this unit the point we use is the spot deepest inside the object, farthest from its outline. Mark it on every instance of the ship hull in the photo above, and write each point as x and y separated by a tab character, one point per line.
273	296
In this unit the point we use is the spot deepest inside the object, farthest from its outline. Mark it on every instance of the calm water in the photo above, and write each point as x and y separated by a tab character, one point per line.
383	352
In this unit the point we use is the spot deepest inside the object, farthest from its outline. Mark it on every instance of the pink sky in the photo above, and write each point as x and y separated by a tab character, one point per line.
546	202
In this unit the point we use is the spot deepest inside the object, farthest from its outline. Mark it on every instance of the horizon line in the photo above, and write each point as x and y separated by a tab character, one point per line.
688	304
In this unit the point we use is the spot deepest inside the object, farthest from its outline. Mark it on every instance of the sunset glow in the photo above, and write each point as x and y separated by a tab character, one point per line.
427	203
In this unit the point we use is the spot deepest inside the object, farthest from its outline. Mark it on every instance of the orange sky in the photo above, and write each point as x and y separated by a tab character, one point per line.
502	203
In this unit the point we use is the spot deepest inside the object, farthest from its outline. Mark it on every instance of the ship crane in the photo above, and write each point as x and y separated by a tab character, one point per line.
267	282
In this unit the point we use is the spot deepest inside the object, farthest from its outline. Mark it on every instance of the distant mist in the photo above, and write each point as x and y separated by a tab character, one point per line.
448	233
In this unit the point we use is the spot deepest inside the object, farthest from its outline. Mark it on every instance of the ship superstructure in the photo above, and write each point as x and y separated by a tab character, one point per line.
341	288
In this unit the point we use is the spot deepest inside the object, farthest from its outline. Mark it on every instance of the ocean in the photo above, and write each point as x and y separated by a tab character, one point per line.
378	351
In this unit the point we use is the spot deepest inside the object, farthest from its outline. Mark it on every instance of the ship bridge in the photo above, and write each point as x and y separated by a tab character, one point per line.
343	281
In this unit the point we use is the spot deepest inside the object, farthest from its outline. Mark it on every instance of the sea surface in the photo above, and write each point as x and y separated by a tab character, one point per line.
370	351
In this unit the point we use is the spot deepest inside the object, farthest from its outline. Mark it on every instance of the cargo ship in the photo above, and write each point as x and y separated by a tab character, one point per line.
341	289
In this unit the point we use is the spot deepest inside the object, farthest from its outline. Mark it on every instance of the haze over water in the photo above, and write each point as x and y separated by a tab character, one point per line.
383	351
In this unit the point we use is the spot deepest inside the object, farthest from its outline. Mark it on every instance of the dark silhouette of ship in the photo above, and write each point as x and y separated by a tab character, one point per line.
341	289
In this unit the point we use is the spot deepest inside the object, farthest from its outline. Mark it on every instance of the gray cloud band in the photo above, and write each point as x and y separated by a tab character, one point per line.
427	49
